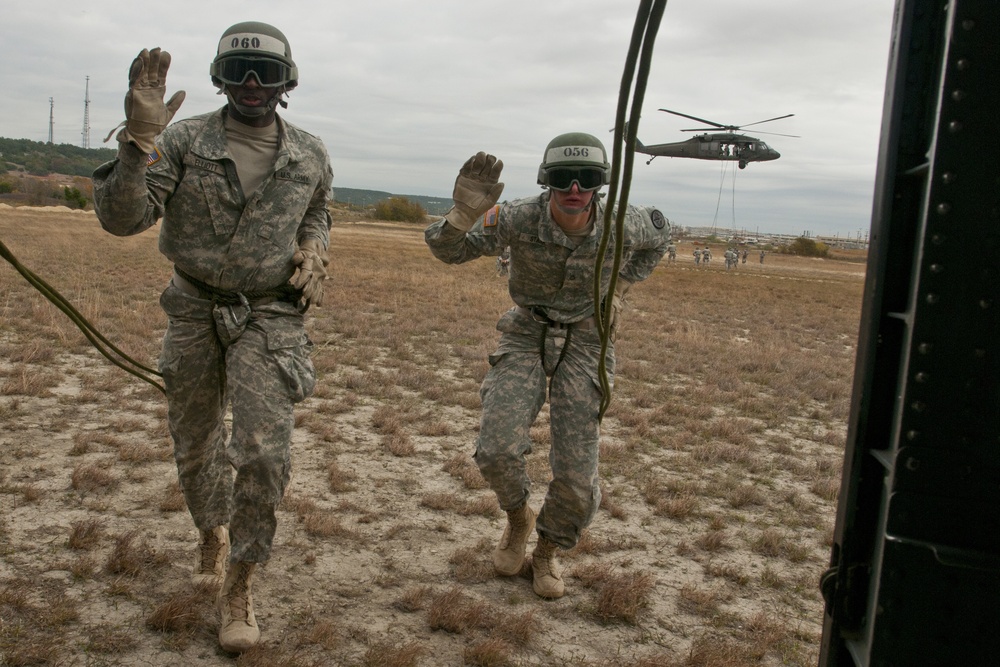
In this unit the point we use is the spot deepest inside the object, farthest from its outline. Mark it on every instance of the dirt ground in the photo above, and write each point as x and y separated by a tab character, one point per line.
370	586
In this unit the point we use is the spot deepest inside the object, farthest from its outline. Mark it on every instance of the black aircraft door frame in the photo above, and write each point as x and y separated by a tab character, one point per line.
914	574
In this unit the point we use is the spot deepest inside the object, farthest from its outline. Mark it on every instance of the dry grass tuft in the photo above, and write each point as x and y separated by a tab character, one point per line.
341	481
700	601
461	466
483	505
131	559
268	655
619	597
140	452
517	629
323	633
472	564
91	478
86	534
413	599
183	612
456	612
393	655
111	640
324	523
399	444
490	652
712	541
26	381
172	498
778	544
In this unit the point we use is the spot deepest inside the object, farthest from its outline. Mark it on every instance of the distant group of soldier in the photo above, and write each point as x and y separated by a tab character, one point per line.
733	256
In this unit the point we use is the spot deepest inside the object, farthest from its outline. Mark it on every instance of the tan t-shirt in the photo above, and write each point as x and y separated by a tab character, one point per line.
577	236
253	149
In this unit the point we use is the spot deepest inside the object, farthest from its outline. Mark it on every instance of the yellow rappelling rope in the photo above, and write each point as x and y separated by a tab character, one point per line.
103	345
647	23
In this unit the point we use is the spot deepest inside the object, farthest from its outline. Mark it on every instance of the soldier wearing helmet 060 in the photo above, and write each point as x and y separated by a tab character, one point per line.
242	195
550	340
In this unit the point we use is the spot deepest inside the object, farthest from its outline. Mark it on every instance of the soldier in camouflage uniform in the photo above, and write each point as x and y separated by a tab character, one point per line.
243	196
550	340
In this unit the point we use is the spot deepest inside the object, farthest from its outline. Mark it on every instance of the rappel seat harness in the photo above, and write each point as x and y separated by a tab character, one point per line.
231	298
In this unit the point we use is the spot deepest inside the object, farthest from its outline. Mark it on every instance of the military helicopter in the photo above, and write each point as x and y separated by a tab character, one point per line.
726	145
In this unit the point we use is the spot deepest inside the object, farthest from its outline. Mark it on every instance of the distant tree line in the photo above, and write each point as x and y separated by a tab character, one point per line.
400	209
806	248
24	157
41	159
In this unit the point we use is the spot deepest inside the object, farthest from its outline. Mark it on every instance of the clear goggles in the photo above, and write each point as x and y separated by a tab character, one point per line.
586	178
269	73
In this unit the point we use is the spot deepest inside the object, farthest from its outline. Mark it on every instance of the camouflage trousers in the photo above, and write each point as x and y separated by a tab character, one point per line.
533	358
261	368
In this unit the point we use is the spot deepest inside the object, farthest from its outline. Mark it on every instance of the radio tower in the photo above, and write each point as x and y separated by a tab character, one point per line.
86	116
51	107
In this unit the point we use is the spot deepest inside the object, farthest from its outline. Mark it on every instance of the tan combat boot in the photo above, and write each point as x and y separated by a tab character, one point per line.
239	630
546	572
508	558
213	552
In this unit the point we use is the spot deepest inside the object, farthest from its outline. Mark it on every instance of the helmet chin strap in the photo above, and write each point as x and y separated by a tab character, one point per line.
254	112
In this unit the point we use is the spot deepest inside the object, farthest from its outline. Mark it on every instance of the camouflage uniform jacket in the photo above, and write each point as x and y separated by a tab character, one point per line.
211	229
546	271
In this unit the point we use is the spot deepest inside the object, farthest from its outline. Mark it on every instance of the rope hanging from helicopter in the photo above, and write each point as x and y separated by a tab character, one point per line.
725	165
647	23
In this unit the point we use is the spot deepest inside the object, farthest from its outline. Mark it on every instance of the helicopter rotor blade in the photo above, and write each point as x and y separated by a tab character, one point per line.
768	120
778	134
700	120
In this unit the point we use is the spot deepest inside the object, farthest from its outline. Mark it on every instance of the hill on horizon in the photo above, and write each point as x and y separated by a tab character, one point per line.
40	159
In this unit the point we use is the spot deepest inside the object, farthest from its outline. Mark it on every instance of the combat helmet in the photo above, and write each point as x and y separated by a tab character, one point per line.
255	47
575	156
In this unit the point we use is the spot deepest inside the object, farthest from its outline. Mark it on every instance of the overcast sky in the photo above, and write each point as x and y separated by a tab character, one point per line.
403	92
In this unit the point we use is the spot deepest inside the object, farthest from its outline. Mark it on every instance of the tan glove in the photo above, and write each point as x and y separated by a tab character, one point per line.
310	262
476	190
145	113
618	304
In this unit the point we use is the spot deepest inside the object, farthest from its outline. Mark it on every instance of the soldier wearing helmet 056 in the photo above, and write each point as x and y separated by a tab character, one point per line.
550	344
242	197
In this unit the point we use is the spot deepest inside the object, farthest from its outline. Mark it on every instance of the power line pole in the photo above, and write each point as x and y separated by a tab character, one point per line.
86	116
51	117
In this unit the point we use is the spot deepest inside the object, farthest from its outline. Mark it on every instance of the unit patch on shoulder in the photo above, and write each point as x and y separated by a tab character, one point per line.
659	221
491	217
153	157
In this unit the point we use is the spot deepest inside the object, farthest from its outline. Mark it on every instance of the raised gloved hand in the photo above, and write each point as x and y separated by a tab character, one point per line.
310	271
145	113
618	304
476	190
